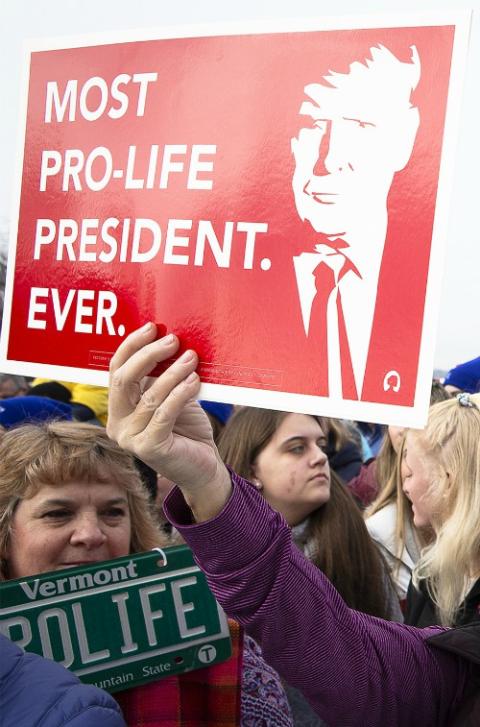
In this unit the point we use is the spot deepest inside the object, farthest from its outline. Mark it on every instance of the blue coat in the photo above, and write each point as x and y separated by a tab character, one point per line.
38	692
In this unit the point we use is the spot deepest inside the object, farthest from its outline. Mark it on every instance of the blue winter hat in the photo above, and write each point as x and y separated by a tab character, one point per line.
221	411
32	410
465	376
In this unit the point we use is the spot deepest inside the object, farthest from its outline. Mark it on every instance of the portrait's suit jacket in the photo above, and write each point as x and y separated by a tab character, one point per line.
394	342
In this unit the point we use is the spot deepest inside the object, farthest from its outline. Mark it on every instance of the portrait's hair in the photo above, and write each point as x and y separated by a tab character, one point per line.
381	86
57	453
385	69
451	443
337	539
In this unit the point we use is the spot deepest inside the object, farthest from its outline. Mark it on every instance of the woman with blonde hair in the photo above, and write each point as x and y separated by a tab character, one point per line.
375	474
442	481
389	520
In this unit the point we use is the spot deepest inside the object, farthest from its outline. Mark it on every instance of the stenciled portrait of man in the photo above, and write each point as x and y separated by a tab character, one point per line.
357	130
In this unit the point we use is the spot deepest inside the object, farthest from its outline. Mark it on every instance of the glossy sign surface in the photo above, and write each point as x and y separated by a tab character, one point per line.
199	182
121	622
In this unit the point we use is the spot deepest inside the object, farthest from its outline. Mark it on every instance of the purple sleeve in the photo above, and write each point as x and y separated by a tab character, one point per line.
354	669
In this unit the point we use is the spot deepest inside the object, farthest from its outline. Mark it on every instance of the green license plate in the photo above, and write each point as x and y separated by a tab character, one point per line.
120	622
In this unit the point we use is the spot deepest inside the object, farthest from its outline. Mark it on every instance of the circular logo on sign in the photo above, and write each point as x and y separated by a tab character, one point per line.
207	653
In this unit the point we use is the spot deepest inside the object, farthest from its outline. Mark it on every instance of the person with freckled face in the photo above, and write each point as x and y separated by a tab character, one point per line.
283	455
293	470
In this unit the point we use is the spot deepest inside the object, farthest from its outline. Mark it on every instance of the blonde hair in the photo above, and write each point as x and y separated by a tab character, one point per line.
56	453
451	442
392	492
386	463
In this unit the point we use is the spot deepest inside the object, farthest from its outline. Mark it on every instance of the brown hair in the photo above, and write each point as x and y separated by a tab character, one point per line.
338	540
338	433
438	393
56	453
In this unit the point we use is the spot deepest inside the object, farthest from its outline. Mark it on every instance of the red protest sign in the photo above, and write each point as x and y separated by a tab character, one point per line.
269	196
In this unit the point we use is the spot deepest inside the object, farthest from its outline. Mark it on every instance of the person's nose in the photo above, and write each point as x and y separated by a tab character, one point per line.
318	456
330	159
88	532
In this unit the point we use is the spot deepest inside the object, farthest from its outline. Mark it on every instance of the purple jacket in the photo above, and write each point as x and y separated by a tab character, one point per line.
355	669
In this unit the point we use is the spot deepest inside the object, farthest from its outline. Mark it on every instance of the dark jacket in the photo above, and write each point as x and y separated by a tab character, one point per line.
347	461
421	611
464	641
37	691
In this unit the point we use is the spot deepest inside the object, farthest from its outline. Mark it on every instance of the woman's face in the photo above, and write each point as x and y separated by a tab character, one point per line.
417	474
293	469
68	525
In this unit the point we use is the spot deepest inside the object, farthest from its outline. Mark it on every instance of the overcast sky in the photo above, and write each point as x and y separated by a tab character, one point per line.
458	336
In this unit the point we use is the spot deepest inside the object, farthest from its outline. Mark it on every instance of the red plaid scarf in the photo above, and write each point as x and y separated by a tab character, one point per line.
204	697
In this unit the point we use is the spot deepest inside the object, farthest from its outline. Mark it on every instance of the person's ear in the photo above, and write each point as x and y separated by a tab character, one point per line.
447	492
448	482
256	483
253	477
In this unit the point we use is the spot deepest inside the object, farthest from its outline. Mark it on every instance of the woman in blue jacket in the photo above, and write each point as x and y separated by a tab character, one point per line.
35	691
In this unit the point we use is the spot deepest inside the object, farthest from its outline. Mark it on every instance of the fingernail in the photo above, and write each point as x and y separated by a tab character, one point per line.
147	327
168	339
191	378
187	356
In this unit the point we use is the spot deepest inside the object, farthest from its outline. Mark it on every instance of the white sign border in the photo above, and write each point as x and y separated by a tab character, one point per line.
366	411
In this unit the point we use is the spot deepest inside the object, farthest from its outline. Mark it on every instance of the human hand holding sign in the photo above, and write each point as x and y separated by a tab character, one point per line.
160	422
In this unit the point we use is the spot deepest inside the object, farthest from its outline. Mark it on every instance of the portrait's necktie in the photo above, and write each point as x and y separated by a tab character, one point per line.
349	387
318	328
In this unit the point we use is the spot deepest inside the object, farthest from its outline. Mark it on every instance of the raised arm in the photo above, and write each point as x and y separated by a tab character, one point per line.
160	421
355	669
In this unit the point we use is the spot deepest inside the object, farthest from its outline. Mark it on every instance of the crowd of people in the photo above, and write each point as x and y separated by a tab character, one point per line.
351	580
346	576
